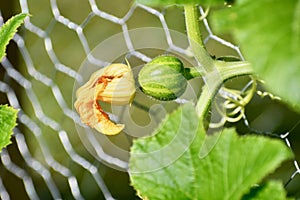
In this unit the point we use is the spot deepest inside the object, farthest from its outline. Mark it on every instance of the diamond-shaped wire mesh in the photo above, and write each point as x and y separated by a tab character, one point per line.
48	159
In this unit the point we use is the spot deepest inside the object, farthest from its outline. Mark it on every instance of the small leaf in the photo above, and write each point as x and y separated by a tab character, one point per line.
8	116
272	189
180	2
269	35
8	30
167	165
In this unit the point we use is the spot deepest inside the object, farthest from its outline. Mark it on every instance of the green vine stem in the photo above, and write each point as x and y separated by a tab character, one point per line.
194	34
214	72
223	72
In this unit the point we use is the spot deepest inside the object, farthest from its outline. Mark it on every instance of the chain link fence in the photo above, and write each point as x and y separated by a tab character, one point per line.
53	156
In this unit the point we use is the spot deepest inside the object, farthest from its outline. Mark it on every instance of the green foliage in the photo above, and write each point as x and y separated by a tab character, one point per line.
272	189
180	2
179	161
269	35
8	30
167	165
8	116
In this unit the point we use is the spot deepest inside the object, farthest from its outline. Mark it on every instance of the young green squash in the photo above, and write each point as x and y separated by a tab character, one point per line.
163	78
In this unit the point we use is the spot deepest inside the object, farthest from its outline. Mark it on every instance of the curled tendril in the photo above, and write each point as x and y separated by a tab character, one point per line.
232	109
205	14
264	94
267	94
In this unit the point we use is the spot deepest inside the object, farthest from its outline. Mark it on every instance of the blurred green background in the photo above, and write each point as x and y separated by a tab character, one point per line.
264	114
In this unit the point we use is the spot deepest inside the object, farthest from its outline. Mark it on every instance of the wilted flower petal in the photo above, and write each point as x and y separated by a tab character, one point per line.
113	84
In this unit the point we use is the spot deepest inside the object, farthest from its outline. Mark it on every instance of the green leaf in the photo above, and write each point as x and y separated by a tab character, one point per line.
168	165
272	189
269	35
8	116
161	166
181	2
8	30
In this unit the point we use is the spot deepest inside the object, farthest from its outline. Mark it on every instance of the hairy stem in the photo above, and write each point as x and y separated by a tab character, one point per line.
214	72
223	71
195	40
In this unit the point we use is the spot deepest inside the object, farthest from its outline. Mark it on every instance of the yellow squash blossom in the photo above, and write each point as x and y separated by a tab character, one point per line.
113	84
